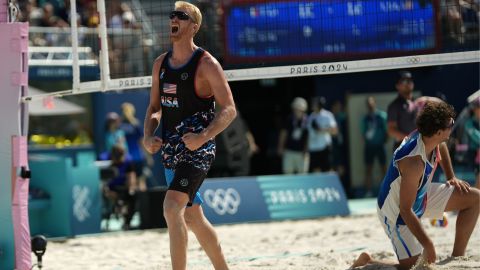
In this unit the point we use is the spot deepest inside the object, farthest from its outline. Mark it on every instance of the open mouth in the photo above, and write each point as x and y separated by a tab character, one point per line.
174	29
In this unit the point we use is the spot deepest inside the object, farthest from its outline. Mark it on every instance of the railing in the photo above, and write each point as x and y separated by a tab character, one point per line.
59	56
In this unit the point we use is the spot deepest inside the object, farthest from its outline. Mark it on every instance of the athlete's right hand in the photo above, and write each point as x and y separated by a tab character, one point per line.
429	253
152	144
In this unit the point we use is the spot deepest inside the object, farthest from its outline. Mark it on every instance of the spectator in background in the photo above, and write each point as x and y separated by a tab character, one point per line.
293	144
134	135
470	18
31	13
472	133
130	46
321	127
63	10
50	19
118	8
340	145
113	134
235	148
374	131
401	111
91	18
274	164
126	48
455	26
122	187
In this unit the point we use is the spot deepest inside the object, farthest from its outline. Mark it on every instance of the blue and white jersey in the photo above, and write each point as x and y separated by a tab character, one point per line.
389	194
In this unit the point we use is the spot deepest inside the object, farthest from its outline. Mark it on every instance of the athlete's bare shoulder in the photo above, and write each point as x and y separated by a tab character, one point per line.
158	61
208	62
411	166
209	66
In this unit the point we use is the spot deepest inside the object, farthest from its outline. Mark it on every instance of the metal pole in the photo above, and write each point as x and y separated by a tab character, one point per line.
102	34
75	66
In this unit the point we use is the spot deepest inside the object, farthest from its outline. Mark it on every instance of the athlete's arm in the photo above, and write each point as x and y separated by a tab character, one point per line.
392	129
154	111
392	126
411	171
220	89
446	164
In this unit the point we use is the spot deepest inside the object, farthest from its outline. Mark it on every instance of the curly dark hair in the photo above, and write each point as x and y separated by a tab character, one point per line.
435	116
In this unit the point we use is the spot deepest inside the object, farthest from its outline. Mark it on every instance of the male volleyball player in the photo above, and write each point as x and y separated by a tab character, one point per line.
186	83
407	193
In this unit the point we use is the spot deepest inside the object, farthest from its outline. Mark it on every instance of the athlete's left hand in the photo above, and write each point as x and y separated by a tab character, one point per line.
461	185
193	141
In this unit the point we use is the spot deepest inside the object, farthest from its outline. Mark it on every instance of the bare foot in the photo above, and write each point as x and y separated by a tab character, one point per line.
362	260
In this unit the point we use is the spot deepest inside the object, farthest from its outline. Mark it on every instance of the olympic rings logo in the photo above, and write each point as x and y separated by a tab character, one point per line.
223	201
229	75
413	60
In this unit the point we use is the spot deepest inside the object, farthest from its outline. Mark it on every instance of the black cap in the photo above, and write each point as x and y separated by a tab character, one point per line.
402	75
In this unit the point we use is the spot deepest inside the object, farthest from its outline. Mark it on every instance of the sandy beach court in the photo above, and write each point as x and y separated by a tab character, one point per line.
327	243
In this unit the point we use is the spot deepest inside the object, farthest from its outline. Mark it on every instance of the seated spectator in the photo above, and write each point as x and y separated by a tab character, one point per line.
50	19
121	189
91	18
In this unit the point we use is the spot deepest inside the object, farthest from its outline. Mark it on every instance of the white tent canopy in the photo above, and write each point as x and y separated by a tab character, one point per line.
51	106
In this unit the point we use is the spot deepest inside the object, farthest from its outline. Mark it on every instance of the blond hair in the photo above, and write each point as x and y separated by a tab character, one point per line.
193	11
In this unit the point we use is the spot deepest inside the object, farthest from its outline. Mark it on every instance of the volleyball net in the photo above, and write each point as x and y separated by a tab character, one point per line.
267	39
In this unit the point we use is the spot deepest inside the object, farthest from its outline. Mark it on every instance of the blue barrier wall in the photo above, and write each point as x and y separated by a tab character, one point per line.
304	196
274	197
74	206
233	200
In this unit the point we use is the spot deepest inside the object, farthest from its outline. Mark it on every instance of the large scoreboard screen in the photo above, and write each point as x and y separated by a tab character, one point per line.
326	29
